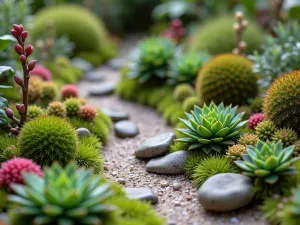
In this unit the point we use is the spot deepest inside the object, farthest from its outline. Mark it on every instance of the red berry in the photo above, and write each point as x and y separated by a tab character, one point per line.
31	65
18	80
14	33
255	119
18	29
21	28
24	35
28	50
18	49
23	58
9	112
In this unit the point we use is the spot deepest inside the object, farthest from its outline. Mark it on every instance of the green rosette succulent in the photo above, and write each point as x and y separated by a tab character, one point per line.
63	196
151	59
268	160
211	128
185	68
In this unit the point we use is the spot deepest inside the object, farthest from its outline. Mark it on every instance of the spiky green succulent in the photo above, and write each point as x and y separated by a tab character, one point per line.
212	128
64	196
34	111
268	160
185	68
265	130
286	135
150	59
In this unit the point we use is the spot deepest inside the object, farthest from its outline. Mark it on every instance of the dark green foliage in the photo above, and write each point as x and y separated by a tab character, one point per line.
193	160
183	91
106	119
8	148
246	109
88	154
3	200
66	18
211	166
48	139
185	68
286	136
150	60
265	130
172	113
178	146
257	105
127	88
281	103
272	209
290	213
227	78
164	103
216	36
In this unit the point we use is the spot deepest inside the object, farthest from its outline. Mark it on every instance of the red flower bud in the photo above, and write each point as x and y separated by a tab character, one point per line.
24	35
18	29
23	58
14	33
21	109
18	80
18	106
21	28
28	50
31	65
18	49
14	131
9	113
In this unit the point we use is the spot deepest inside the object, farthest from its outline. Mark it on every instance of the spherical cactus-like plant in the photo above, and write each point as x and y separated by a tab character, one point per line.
282	101
255	119
216	36
297	148
248	139
190	102
57	109
227	78
150	60
87	112
77	23
34	111
184	69
72	106
42	72
34	89
286	135
11	171
48	139
235	152
265	130
49	92
68	91
183	91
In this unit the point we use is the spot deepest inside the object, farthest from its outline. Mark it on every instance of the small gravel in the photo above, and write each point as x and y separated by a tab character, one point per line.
119	162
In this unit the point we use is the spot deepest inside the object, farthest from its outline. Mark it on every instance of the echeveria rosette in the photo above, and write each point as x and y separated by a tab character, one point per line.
268	160
212	128
64	196
150	59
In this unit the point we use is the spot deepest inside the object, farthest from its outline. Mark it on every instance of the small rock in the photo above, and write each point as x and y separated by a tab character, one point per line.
116	63
115	115
83	132
126	128
234	220
143	194
171	222
122	181
103	89
82	64
225	192
114	173
164	184
176	186
169	164
155	146
94	76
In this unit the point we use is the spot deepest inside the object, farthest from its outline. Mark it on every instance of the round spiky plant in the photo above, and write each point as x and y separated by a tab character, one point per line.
72	107
183	91
56	109
268	161
248	139
235	152
48	139
227	78
265	130
211	128
34	111
286	136
282	101
190	102
184	69
150	59
63	196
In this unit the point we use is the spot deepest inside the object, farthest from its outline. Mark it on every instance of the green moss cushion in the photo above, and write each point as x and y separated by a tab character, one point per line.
217	36
80	25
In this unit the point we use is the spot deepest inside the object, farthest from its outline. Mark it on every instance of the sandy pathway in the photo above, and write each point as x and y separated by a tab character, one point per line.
179	207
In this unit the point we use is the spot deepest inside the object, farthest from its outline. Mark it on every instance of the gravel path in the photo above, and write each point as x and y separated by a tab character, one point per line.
179	207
